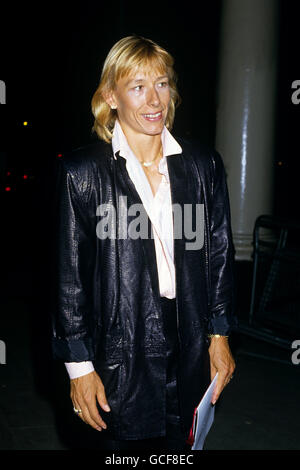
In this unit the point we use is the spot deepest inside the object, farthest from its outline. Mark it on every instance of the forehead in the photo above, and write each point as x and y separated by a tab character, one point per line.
151	70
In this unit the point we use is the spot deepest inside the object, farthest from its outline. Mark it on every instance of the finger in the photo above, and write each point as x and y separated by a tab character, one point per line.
85	414
102	400
218	388
87	418
76	406
77	410
228	379
89	413
95	416
222	382
213	372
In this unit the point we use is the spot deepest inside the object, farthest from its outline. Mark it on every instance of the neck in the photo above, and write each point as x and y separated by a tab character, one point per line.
145	147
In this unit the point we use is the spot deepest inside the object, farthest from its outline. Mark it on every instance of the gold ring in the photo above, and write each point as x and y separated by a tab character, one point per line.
77	411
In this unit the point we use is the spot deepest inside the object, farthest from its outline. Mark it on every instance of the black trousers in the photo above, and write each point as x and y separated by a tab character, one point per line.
174	439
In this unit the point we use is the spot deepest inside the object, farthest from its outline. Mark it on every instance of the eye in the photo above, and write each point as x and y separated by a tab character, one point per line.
163	84
138	88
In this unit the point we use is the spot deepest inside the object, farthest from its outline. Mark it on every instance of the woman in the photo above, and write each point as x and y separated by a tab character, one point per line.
143	313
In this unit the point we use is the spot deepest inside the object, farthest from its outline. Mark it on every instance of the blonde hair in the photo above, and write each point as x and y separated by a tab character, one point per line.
125	56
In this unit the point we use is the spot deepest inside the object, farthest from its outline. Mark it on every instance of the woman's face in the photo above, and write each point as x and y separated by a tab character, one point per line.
142	100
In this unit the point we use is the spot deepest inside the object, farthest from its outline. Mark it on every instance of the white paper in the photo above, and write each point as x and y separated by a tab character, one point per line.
204	417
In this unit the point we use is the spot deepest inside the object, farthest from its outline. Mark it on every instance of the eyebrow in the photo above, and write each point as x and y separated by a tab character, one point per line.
139	80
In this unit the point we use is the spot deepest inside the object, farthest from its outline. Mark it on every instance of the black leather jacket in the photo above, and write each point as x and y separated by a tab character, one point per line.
107	295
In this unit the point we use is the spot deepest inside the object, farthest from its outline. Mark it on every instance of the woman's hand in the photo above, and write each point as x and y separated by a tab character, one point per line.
85	392
221	361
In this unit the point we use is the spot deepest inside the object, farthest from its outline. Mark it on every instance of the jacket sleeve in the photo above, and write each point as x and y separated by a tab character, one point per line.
72	339
222	276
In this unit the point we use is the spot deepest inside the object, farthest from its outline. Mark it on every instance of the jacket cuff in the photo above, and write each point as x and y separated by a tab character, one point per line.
73	350
222	325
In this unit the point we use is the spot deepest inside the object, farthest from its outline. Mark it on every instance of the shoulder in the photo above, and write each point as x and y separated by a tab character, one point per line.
79	170
206	157
84	159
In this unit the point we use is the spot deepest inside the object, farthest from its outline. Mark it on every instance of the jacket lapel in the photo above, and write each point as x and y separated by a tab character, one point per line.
179	190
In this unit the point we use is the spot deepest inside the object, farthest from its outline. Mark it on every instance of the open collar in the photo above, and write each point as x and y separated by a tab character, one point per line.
120	144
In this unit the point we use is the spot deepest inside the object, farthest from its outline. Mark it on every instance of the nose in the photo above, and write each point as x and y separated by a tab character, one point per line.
153	97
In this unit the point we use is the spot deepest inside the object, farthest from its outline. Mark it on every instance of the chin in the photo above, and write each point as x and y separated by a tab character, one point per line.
155	130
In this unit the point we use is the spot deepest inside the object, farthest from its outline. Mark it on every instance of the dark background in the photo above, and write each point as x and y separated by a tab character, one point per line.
51	59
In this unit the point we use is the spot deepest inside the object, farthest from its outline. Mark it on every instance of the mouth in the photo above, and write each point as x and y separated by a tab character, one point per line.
153	117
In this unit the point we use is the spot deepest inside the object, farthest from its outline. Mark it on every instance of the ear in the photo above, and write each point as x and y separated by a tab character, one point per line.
110	99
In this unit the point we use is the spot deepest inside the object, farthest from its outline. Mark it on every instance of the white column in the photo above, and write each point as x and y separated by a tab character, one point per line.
246	112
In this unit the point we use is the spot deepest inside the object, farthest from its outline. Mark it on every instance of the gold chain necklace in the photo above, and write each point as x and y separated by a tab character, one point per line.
147	164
